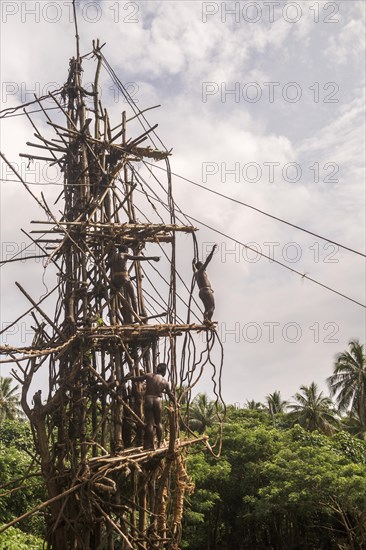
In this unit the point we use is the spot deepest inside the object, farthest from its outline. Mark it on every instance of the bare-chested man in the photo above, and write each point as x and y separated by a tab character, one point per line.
156	385
119	273
204	285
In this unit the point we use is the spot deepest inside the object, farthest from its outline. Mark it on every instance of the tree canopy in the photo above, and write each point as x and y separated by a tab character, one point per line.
298	482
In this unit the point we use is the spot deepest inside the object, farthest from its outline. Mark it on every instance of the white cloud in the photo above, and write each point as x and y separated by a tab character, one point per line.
350	42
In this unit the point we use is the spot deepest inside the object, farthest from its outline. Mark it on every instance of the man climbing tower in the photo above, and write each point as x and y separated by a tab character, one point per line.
156	385
204	285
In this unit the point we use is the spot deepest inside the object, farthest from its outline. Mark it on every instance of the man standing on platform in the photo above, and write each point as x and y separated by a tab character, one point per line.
120	277
156	385
204	285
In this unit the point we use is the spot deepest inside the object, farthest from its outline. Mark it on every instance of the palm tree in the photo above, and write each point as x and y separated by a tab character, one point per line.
349	381
253	405
352	423
275	404
203	413
9	400
313	411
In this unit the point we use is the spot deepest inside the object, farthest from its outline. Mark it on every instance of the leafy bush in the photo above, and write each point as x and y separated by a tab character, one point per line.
22	487
14	539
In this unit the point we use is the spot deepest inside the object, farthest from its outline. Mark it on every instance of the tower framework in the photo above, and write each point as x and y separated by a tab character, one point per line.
105	489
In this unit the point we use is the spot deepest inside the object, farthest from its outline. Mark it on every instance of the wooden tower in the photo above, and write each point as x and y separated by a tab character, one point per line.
105	490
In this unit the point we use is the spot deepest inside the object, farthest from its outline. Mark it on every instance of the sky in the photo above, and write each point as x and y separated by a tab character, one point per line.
261	101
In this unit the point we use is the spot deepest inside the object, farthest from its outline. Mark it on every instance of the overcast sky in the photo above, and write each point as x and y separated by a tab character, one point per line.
260	101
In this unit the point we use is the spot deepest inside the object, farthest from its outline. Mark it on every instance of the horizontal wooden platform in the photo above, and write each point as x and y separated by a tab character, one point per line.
97	232
141	332
99	336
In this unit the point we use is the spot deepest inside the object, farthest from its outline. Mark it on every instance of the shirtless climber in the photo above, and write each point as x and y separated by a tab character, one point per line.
204	285
156	384
119	273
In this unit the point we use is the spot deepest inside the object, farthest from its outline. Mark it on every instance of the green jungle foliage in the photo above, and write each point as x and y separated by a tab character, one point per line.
290	476
280	489
21	486
14	539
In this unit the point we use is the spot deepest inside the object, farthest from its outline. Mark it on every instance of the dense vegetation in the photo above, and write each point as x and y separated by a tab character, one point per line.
278	488
291	476
21	487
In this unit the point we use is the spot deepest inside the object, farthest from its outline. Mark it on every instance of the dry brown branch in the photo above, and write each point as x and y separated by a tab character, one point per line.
40	507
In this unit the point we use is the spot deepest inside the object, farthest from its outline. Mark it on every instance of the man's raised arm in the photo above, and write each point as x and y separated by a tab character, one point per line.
209	257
